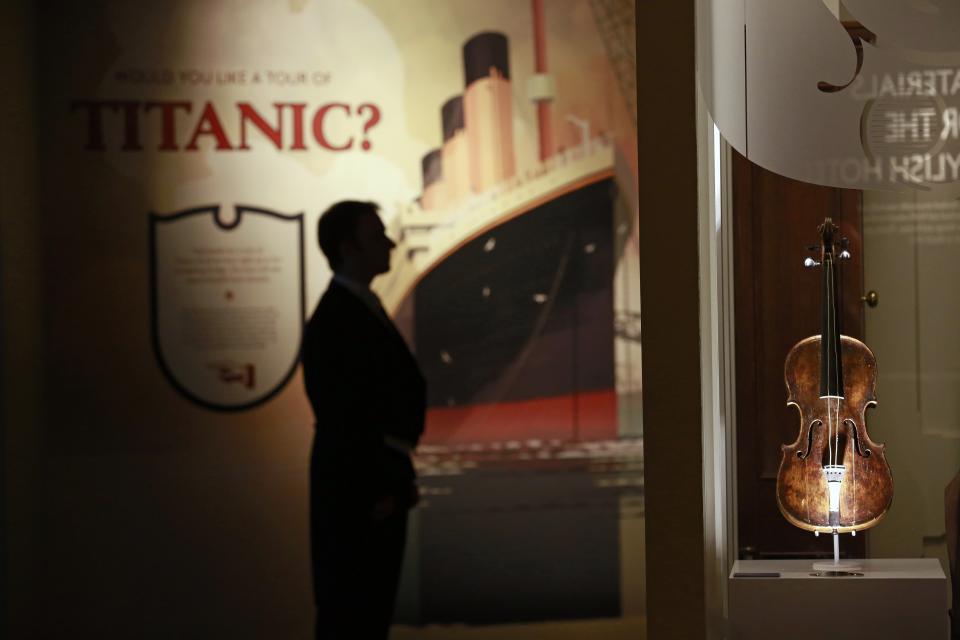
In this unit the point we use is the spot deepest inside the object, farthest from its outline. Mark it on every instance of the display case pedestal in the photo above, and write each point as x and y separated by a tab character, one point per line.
892	599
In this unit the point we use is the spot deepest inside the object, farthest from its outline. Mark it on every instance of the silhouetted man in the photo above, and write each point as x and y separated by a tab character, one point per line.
369	399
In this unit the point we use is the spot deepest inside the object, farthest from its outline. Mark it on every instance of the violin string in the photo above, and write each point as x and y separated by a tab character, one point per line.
831	352
836	345
853	441
835	353
833	404
852	436
829	355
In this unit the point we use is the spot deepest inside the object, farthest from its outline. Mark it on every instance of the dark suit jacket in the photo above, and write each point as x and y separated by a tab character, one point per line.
363	383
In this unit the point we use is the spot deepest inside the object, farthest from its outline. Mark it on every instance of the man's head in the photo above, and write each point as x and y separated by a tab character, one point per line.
353	239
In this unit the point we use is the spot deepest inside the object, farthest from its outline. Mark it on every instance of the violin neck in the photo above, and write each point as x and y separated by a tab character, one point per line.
831	369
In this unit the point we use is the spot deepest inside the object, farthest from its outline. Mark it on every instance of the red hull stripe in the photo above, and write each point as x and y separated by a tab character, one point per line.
583	416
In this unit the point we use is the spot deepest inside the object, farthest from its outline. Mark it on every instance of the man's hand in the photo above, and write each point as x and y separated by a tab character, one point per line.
414	496
383	508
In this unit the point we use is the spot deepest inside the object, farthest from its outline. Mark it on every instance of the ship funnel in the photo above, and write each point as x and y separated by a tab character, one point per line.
456	152
487	110
485	54
452	117
432	168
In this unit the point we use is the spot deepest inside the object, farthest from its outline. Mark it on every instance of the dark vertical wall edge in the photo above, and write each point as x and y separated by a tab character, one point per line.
20	324
669	285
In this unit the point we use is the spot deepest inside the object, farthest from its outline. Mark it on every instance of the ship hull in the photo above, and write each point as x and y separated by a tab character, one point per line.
514	330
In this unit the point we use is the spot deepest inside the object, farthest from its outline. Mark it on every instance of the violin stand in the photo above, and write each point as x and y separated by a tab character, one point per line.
838	568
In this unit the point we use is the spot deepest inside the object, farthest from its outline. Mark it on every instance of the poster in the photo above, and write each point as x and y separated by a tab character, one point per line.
188	149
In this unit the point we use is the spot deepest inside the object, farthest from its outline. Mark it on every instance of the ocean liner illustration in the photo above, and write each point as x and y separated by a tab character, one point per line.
512	281
502	280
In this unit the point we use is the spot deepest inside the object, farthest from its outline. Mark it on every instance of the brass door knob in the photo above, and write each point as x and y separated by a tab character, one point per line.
872	298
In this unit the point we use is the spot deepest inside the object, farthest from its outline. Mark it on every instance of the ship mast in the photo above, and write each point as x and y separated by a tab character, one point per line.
541	83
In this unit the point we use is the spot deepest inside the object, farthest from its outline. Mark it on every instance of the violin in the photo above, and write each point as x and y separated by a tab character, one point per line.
833	478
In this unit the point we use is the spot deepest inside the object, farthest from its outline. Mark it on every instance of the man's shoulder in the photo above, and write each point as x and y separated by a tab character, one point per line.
336	305
336	296
329	320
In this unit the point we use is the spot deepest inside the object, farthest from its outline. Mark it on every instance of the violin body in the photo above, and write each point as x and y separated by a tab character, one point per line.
833	431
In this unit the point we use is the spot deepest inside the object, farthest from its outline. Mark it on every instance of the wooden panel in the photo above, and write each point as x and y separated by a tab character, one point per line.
777	304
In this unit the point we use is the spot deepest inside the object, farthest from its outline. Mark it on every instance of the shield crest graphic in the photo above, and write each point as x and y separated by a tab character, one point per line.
227	303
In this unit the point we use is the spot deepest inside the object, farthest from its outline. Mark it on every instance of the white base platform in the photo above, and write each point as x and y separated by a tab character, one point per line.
892	599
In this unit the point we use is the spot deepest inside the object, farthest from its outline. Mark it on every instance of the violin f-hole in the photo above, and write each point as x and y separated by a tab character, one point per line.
803	455
863	453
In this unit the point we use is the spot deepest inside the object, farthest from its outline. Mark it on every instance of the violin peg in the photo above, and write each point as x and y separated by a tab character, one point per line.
844	255
810	262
